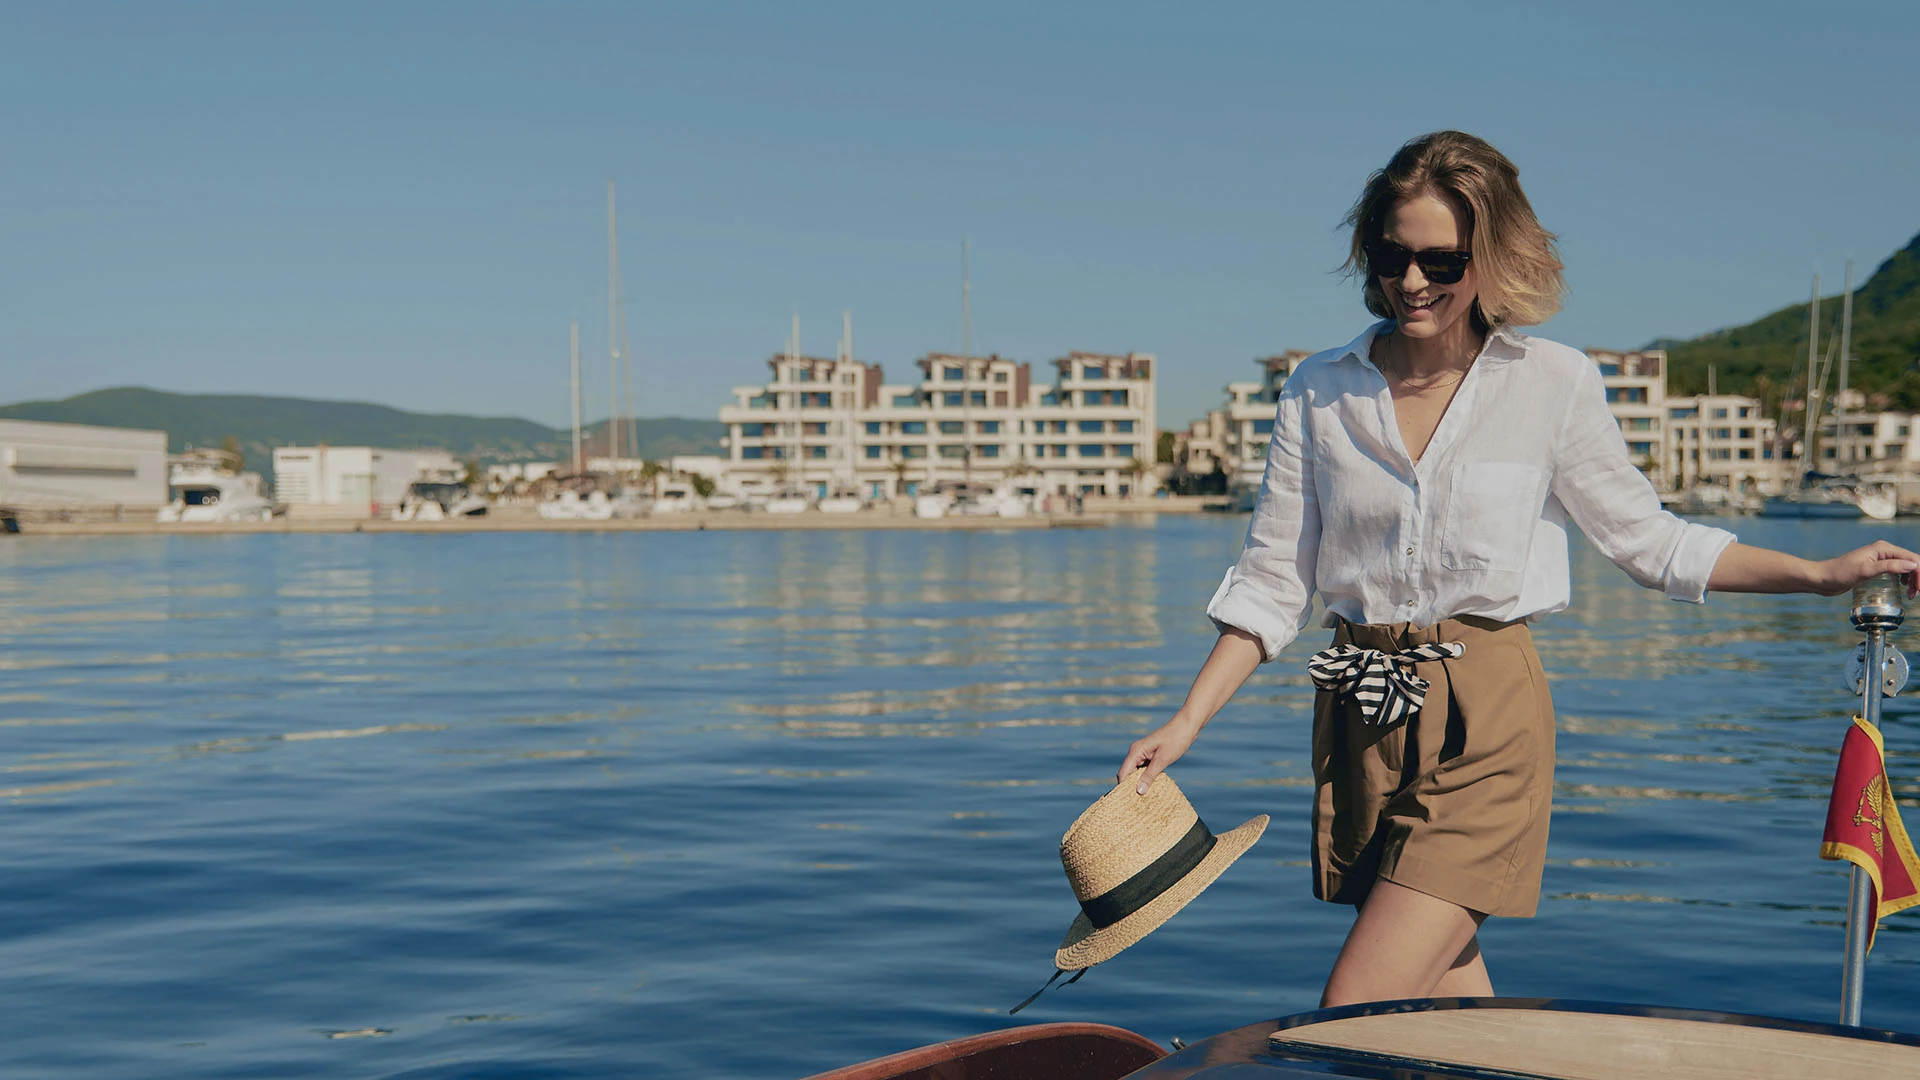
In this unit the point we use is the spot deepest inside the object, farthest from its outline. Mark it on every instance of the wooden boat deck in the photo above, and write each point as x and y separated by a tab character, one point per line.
1538	1039
1592	1046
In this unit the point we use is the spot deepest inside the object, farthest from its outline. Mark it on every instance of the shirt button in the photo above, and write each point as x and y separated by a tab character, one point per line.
1409	549
1409	603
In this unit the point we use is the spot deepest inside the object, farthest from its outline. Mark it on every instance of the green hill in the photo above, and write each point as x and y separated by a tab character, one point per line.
1760	357
258	424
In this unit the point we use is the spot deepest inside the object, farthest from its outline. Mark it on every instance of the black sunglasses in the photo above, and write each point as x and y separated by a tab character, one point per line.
1389	260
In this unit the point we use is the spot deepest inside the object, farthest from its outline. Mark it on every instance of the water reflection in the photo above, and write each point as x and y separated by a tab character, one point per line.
771	763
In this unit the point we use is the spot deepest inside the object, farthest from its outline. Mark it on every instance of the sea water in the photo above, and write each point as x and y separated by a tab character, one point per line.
758	804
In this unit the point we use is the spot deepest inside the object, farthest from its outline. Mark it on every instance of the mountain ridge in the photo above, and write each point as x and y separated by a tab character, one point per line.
1765	358
260	422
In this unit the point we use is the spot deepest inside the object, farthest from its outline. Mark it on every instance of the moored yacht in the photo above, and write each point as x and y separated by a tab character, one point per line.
570	505
207	486
788	500
1821	496
438	500
677	497
843	499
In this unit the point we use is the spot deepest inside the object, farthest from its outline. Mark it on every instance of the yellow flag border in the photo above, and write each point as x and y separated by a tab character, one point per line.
1896	833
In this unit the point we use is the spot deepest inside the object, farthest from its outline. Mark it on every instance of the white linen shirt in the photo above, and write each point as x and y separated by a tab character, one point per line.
1476	527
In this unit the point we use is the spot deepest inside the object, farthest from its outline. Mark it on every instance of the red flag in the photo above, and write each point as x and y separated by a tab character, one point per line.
1863	824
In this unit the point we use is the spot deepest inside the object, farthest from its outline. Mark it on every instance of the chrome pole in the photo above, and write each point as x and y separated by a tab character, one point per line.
1879	605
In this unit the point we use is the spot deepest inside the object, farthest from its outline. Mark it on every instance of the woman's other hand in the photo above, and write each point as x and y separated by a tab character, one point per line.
1841	573
1156	750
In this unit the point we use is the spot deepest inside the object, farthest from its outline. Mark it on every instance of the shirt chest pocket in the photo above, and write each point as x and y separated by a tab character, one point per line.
1490	514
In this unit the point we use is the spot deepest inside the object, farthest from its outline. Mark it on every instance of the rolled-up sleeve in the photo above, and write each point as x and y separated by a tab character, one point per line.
1616	507
1267	592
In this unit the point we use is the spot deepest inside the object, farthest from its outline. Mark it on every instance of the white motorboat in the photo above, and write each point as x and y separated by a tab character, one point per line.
789	501
438	500
631	503
206	492
569	505
961	498
1014	504
724	500
933	504
677	497
842	500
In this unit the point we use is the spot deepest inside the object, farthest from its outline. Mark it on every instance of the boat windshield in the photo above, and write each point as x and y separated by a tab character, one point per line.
437	491
197	496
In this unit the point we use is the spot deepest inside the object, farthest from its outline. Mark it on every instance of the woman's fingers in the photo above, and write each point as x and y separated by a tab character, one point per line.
1884	557
1154	769
1886	551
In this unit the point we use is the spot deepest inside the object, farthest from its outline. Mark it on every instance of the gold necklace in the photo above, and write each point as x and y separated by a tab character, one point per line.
1436	384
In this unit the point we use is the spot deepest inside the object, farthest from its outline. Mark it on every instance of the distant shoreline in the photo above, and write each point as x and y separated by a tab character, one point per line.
688	522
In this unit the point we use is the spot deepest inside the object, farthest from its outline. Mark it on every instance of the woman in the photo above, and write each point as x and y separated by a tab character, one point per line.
1420	479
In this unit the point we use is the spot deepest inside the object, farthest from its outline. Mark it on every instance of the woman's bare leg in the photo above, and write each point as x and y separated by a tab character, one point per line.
1467	977
1401	946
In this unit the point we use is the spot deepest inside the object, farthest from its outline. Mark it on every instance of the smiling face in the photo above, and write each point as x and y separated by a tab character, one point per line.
1422	309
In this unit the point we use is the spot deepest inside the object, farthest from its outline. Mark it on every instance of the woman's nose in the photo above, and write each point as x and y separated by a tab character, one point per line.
1413	280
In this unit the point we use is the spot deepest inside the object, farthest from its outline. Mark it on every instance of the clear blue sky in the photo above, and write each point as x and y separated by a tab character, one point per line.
404	203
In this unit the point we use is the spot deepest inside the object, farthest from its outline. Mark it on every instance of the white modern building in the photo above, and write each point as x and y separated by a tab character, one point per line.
1636	385
80	466
363	478
1720	439
824	424
711	466
1237	433
1868	441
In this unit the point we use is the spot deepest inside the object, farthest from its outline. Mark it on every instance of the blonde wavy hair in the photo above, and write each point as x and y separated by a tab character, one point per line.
1515	262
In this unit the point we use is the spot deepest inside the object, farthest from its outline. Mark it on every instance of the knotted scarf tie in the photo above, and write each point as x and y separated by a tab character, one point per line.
1381	683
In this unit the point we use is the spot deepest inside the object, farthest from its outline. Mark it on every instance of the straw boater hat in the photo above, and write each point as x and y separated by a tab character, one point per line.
1134	861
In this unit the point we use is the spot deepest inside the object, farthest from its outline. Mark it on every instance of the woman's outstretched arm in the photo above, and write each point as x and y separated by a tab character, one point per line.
1234	657
1743	568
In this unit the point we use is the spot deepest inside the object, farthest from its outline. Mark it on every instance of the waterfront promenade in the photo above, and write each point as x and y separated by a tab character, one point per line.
1096	513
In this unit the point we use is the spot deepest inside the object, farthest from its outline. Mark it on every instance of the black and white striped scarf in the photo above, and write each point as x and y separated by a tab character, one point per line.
1382	683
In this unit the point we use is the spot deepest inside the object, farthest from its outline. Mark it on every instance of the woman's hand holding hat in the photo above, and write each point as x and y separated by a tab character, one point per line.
1154	752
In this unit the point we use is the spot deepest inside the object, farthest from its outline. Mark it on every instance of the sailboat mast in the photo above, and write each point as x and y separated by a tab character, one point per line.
1846	345
1810	423
847	441
795	477
966	359
613	334
573	335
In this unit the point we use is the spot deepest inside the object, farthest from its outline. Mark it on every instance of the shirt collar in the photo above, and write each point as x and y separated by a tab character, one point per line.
1503	343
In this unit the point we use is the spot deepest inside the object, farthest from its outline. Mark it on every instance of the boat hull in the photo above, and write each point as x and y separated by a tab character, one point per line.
1053	1051
1779	507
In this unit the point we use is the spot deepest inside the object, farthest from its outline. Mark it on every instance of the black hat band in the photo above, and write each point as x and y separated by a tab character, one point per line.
1160	875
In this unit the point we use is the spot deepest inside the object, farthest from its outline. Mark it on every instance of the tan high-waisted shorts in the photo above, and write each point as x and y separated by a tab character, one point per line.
1455	801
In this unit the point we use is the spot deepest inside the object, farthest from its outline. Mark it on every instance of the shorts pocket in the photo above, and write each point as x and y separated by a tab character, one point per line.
1491	510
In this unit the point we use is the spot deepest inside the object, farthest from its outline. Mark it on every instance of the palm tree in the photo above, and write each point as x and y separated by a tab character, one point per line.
650	474
1136	469
899	470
